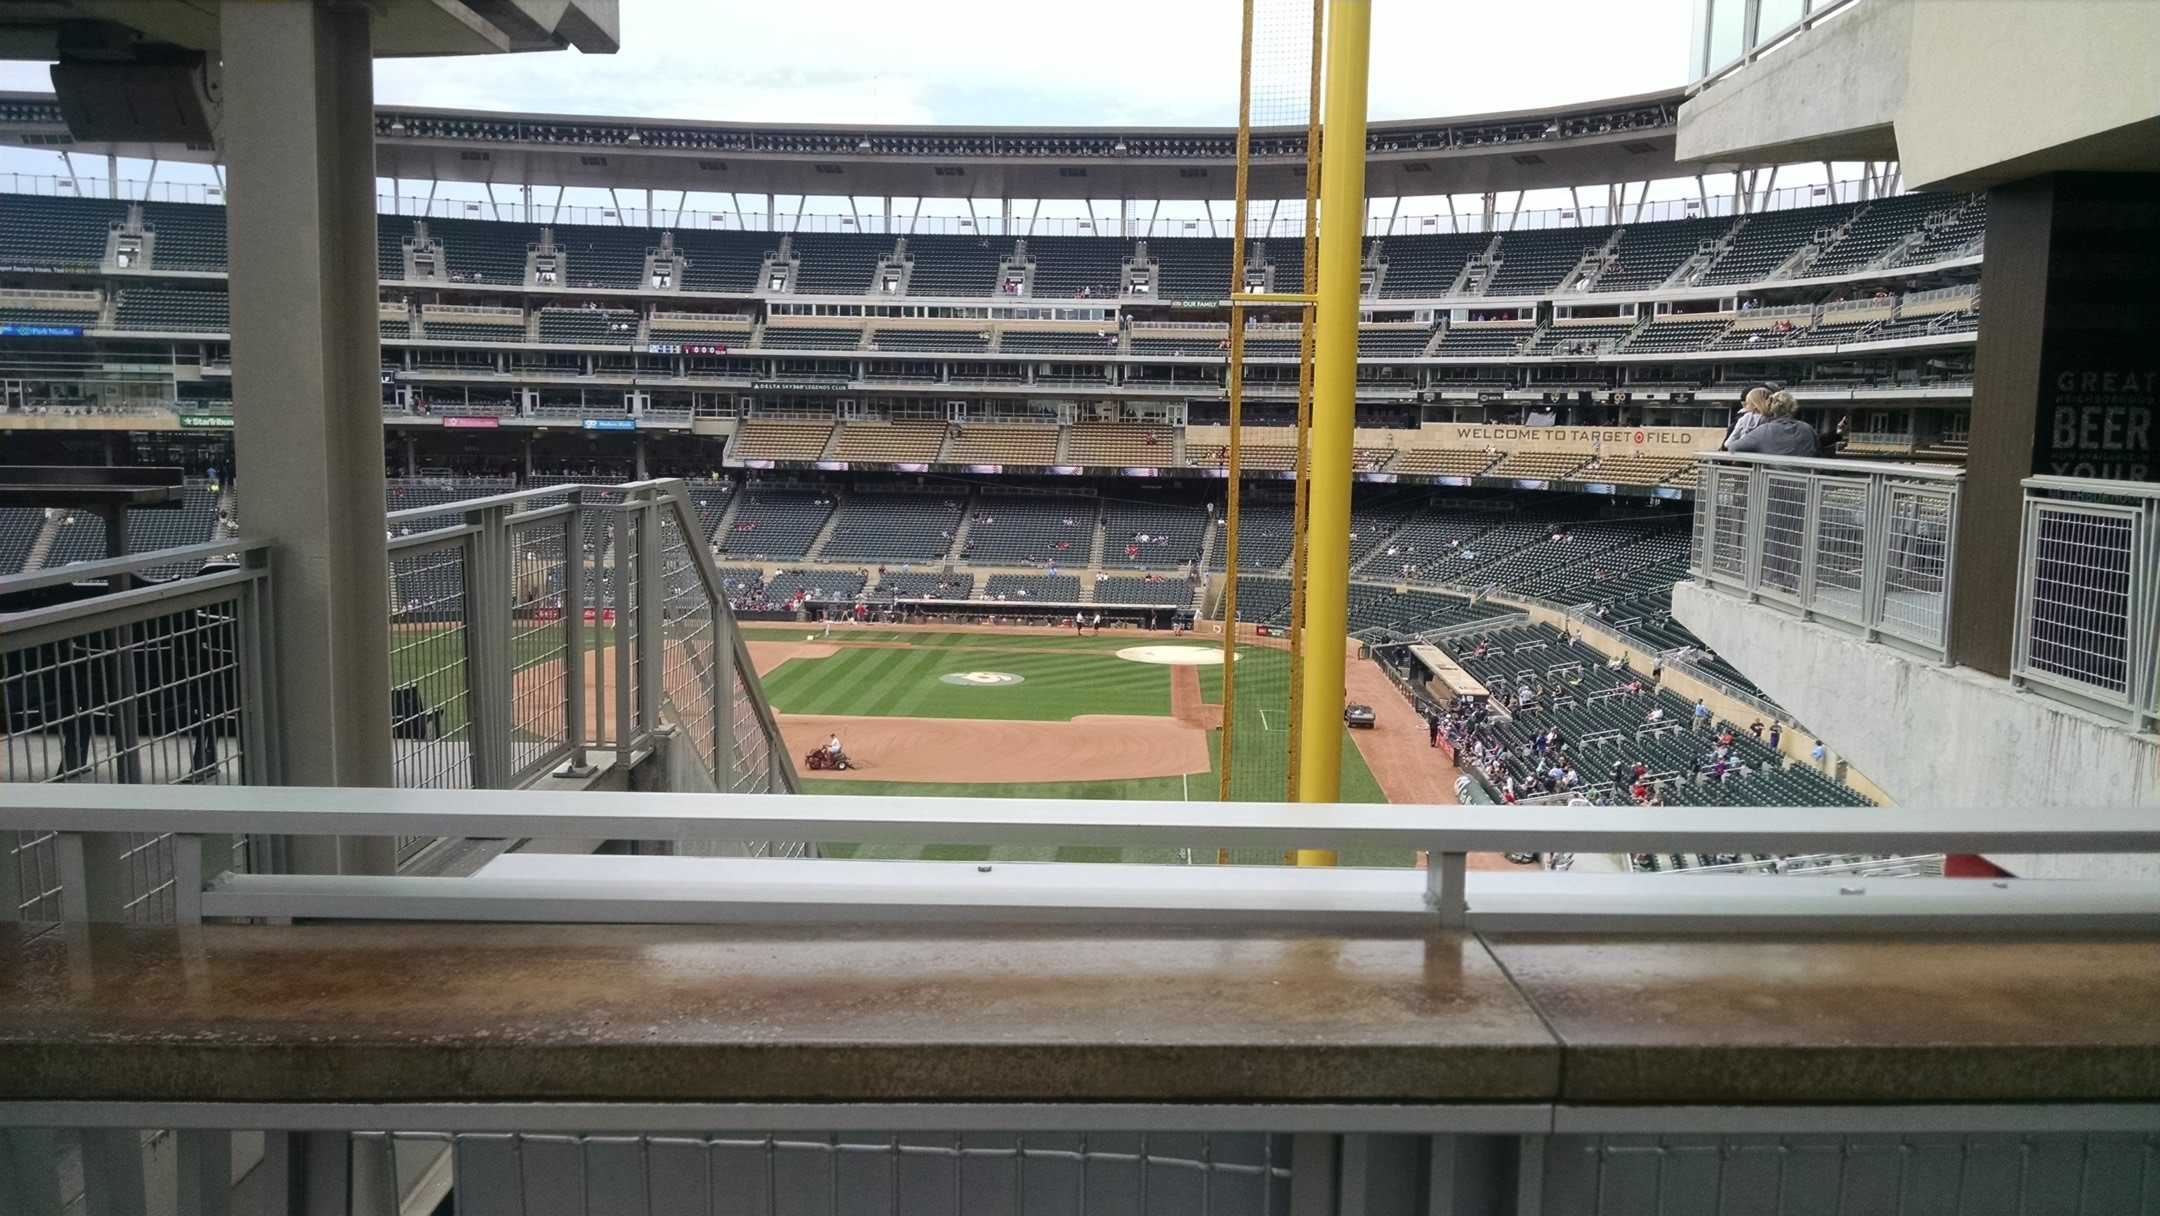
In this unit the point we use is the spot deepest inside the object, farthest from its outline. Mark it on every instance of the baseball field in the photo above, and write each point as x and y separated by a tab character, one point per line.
1036	712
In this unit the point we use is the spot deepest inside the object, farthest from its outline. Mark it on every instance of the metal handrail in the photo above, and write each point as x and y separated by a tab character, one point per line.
1869	546
830	818
134	563
1820	464
2088	595
677	494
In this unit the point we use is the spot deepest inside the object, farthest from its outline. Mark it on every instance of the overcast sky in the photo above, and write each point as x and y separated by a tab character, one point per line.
1008	62
1114	62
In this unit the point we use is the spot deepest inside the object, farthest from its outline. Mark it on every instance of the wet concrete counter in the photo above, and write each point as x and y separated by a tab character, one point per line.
724	1014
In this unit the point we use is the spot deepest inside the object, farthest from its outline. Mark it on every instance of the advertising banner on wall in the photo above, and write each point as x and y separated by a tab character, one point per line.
2098	396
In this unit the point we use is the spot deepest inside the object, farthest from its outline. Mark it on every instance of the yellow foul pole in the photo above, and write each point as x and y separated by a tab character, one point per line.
1327	546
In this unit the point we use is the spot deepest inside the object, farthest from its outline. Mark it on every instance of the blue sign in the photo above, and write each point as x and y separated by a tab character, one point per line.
13	330
1598	487
1666	492
611	424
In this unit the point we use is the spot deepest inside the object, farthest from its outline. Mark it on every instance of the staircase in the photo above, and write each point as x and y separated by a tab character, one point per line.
1592	266
960	531
816	550
726	522
832	441
41	548
1478	271
1095	541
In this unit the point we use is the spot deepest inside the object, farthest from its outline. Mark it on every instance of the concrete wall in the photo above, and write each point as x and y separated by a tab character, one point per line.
1964	94
2003	83
1932	735
1833	91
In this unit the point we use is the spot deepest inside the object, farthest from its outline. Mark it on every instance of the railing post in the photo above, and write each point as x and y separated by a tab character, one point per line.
2143	648
257	683
1810	526
126	738
723	680
574	640
651	614
187	876
624	541
93	875
1446	887
1874	549
1758	483
487	648
30	1177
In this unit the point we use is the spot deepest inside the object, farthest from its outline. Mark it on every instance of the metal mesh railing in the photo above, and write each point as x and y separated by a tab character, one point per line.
1916	569
1839	538
922	1174
562	619
1864	544
108	678
430	678
690	691
2089	594
540	635
1784	535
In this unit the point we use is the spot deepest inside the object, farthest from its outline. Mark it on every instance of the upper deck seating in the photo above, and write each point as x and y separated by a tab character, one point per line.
39	233
1535	260
1420	267
838	263
1647	254
190	236
964	266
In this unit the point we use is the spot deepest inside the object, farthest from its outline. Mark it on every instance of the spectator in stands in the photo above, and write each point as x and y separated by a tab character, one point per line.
1751	408
1777	732
1780	433
1818	754
1702	712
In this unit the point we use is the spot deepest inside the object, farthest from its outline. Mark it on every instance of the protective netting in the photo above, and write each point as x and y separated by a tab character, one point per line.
1254	560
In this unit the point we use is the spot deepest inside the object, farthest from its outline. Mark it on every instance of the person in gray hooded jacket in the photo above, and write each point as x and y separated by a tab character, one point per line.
1780	433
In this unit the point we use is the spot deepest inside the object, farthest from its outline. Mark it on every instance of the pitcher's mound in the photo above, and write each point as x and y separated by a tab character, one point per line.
1174	656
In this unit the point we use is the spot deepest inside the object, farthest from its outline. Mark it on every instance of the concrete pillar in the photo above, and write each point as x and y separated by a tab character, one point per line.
412	457
641	454
300	146
2065	378
528	446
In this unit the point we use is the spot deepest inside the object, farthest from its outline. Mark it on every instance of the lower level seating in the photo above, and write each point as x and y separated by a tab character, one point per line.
1044	588
1156	591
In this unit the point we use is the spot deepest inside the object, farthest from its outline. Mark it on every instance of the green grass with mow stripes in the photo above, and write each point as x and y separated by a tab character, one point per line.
893	681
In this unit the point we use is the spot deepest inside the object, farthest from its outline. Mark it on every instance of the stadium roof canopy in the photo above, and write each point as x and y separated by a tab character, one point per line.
1625	139
44	29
